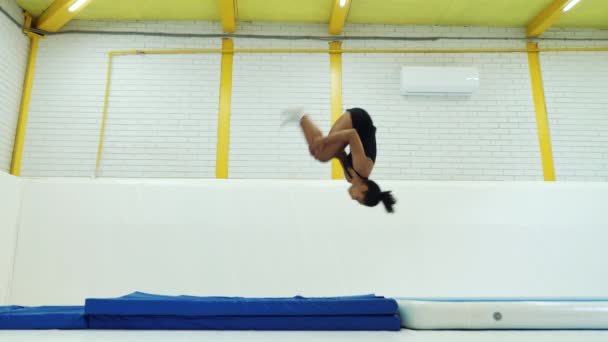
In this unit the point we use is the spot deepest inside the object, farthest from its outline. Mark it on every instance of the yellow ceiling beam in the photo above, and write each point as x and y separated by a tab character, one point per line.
337	19
59	14
546	18
228	13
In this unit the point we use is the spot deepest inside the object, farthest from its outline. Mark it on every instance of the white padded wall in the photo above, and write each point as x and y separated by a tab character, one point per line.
10	201
281	238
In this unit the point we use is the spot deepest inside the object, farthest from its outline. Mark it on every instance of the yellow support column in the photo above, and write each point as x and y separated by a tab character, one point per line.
25	100
335	66
223	123
542	122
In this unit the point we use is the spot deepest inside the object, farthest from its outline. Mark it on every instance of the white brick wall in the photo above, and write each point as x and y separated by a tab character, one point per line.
263	85
570	33
13	9
491	136
67	105
291	29
162	116
185	27
432	31
576	91
14	47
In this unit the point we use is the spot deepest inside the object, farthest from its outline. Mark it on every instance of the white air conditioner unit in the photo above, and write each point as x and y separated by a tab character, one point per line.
457	81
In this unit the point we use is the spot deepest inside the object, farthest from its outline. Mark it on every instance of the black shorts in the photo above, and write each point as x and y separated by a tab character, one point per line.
364	126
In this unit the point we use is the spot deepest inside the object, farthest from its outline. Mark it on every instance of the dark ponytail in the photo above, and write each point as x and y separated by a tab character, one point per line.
388	200
373	196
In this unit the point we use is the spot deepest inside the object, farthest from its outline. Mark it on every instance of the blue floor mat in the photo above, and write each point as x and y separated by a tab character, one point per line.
354	323
44	317
146	311
147	304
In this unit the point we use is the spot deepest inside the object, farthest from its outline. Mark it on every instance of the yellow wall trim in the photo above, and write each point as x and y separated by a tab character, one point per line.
26	95
315	50
57	15
542	122
335	67
575	49
546	18
223	123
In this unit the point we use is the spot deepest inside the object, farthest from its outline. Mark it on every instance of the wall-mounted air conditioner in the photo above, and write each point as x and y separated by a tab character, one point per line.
458	81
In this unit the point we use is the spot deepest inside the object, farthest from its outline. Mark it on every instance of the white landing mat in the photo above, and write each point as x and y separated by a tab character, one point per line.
517	314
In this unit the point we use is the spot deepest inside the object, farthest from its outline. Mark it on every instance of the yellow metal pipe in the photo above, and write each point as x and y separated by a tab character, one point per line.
122	52
27	24
432	50
335	66
223	125
575	49
542	122
104	116
280	50
194	51
164	51
25	105
335	50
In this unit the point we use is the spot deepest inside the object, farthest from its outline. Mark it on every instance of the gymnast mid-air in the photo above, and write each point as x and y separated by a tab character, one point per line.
355	129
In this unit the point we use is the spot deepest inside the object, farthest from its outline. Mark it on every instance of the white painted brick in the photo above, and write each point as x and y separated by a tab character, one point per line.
145	26
263	85
13	9
576	88
438	124
576	91
161	126
14	47
171	104
556	32
67	102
